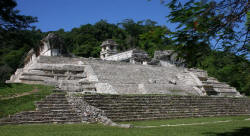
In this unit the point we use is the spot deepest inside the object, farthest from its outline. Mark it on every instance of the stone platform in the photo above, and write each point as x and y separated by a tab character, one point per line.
53	109
137	107
86	75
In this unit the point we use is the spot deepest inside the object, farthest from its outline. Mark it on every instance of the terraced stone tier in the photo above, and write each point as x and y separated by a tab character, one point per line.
53	109
130	108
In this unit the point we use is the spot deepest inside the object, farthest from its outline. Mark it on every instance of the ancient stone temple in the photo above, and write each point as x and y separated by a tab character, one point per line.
52	45
129	72
82	82
109	47
135	56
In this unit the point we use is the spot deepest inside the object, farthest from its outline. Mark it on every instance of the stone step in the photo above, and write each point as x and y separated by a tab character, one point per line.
73	88
161	104
170	115
135	97
48	74
53	105
112	111
52	102
202	78
156	100
60	60
120	107
130	105
126	108
136	105
58	93
116	106
45	113
151	111
38	118
167	99
41	122
59	90
226	90
51	109
60	68
112	116
152	103
35	78
164	117
56	97
60	96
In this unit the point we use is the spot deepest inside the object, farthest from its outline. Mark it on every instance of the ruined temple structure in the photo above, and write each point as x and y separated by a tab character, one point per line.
135	56
82	85
129	72
52	45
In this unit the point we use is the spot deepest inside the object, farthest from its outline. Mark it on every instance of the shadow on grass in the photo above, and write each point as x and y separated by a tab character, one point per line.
245	131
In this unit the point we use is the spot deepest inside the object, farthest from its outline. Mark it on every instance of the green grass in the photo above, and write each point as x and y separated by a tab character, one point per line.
236	128
185	120
23	103
13	89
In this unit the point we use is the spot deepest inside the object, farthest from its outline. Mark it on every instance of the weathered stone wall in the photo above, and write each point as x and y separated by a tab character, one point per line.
169	56
115	77
126	78
129	108
120	56
90	113
52	109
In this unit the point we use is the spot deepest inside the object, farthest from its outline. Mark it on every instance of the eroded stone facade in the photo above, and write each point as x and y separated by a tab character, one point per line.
130	72
115	74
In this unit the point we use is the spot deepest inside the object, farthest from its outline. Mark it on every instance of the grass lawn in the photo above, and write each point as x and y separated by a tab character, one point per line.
186	120
23	103
14	89
237	127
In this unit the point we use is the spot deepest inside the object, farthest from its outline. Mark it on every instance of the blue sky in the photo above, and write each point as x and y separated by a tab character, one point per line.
67	14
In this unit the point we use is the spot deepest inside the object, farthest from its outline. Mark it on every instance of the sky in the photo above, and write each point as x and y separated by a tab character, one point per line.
67	14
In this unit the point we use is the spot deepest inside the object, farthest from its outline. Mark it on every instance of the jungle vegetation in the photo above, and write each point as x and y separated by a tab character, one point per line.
210	35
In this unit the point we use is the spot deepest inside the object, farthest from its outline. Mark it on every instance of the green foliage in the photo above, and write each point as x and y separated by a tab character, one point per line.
155	39
208	36
11	19
15	40
5	73
85	41
14	46
227	67
215	24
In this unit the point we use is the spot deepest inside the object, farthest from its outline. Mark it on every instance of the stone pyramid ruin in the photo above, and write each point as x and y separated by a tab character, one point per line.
130	72
124	86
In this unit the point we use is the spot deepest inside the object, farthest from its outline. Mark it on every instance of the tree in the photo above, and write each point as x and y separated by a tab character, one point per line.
155	39
214	36
218	24
11	19
15	39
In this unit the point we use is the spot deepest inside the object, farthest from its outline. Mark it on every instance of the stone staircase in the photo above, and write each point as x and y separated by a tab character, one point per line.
53	109
131	108
212	86
77	87
63	72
